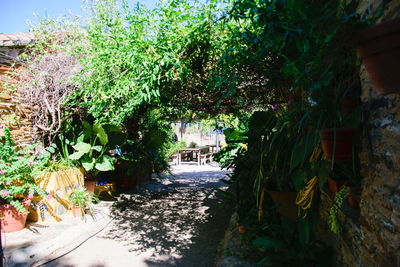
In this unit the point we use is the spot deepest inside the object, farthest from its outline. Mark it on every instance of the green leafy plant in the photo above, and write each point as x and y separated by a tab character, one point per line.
174	147
83	199
334	225
18	170
92	145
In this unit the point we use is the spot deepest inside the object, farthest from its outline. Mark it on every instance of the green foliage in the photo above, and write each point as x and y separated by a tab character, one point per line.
174	147
83	199
137	58
18	170
334	225
92	145
288	251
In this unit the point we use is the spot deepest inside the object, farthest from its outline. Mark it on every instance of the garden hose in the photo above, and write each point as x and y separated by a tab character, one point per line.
305	196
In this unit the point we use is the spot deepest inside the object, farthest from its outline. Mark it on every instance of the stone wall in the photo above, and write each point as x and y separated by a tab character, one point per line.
380	163
13	114
372	238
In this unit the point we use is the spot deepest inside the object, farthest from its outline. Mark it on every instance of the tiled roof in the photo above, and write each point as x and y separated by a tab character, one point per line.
16	39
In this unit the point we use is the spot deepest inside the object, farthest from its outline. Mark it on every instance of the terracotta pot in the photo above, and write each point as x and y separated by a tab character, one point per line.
379	49
344	143
76	211
286	203
90	185
241	229
12	220
354	198
335	186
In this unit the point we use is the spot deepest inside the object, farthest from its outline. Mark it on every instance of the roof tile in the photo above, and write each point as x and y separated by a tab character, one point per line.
16	39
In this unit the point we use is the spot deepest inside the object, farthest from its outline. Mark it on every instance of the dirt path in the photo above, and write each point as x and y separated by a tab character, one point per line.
175	221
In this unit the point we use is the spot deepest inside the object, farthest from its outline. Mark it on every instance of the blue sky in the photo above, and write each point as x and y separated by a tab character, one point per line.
15	13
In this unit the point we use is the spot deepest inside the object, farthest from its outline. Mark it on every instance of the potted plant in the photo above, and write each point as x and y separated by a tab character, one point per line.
18	169
379	50
91	149
337	127
81	199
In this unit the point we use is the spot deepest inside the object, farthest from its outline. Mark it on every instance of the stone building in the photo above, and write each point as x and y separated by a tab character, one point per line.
371	236
13	114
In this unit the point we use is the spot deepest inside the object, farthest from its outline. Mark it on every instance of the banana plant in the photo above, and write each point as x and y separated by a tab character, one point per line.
92	145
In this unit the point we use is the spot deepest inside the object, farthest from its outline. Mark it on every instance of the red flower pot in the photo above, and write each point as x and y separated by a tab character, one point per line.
12	220
379	49
343	146
335	186
76	211
90	185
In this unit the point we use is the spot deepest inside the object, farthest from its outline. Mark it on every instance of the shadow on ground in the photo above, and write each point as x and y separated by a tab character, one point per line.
176	223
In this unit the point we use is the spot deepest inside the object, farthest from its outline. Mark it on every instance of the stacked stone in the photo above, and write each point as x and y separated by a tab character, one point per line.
372	239
13	113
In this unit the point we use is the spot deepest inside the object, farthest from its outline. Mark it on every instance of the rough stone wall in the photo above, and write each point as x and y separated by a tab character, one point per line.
373	239
13	114
380	163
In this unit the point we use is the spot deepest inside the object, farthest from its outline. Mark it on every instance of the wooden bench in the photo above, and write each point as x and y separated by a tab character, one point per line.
174	158
204	158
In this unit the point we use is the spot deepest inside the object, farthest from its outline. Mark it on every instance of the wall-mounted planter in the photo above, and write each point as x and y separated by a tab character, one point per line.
379	49
343	146
334	185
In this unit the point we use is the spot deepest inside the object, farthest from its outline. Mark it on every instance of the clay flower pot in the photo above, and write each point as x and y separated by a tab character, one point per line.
12	220
379	49
76	211
343	146
90	185
335	186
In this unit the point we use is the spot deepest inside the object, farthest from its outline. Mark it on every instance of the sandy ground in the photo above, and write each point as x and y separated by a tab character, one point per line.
174	221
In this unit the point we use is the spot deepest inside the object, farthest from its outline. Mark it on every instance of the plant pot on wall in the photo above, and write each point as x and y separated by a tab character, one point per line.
12	220
343	145
379	49
334	185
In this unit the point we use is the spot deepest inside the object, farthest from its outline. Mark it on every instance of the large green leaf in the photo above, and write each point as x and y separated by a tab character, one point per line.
110	128
100	133
97	148
76	156
88	163
87	130
82	147
105	163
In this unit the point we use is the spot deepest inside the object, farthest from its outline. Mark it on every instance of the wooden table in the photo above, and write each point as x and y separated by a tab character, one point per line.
189	153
